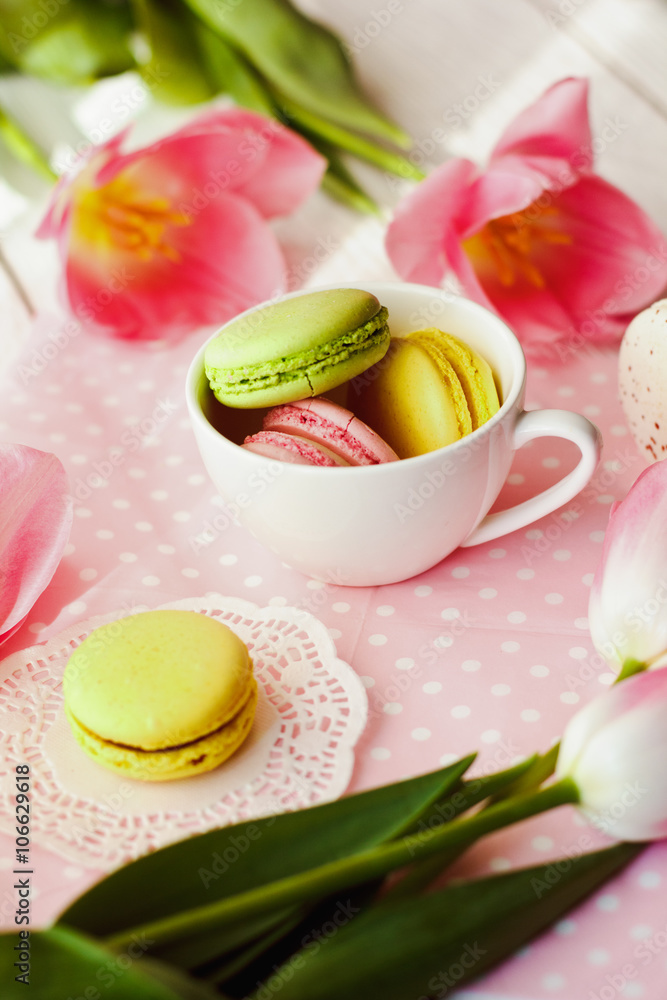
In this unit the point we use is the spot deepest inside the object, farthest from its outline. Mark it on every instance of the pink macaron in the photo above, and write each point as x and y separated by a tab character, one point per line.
318	432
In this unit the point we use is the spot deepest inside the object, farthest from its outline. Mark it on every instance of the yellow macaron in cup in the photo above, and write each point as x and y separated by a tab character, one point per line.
160	695
429	390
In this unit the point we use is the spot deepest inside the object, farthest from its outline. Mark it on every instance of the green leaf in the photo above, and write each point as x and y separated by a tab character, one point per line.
302	59
430	944
173	72
23	148
542	766
469	794
347	872
230	73
76	43
64	963
341	185
222	863
394	163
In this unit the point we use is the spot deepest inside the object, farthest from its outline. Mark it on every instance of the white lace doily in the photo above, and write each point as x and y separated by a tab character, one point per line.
311	711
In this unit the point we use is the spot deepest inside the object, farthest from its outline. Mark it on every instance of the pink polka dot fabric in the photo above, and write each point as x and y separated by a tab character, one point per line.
488	651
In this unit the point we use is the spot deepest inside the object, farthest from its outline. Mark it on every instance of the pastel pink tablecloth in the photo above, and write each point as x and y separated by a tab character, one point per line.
489	650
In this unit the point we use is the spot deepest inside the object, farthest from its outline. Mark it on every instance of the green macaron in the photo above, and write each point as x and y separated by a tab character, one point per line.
296	348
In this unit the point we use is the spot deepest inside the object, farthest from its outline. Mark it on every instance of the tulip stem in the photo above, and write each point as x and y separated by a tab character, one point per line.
347	872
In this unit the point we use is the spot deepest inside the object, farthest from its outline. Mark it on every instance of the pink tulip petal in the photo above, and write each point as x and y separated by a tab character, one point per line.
169	237
289	169
290	172
415	239
59	203
535	315
628	601
271	166
35	521
4	636
497	192
180	166
614	748
228	260
604	267
555	126
551	248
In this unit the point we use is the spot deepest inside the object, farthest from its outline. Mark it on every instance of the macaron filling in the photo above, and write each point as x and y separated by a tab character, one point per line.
250	378
173	747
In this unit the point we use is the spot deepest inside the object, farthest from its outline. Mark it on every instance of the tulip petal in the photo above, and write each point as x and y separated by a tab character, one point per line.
499	191
628	601
415	238
59	205
226	261
35	521
172	236
290	169
614	749
597	277
555	126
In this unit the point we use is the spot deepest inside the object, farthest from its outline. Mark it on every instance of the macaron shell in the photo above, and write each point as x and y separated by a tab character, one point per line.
406	400
332	426
289	377
291	326
473	372
642	379
158	679
289	448
186	761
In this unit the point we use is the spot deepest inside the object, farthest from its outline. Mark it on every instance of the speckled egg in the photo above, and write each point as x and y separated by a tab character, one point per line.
642	380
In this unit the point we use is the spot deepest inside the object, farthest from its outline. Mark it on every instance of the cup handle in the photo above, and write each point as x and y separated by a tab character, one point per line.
544	423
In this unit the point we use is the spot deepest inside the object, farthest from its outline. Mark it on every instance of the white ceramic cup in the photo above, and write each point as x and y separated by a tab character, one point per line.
379	524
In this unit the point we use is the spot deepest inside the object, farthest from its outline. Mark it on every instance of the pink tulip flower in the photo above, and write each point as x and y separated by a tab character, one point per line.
537	237
627	611
35	521
615	750
173	236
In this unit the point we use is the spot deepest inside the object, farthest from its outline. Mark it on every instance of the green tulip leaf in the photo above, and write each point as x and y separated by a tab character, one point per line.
302	59
220	864
230	72
334	133
68	43
431	944
23	147
64	963
174	71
